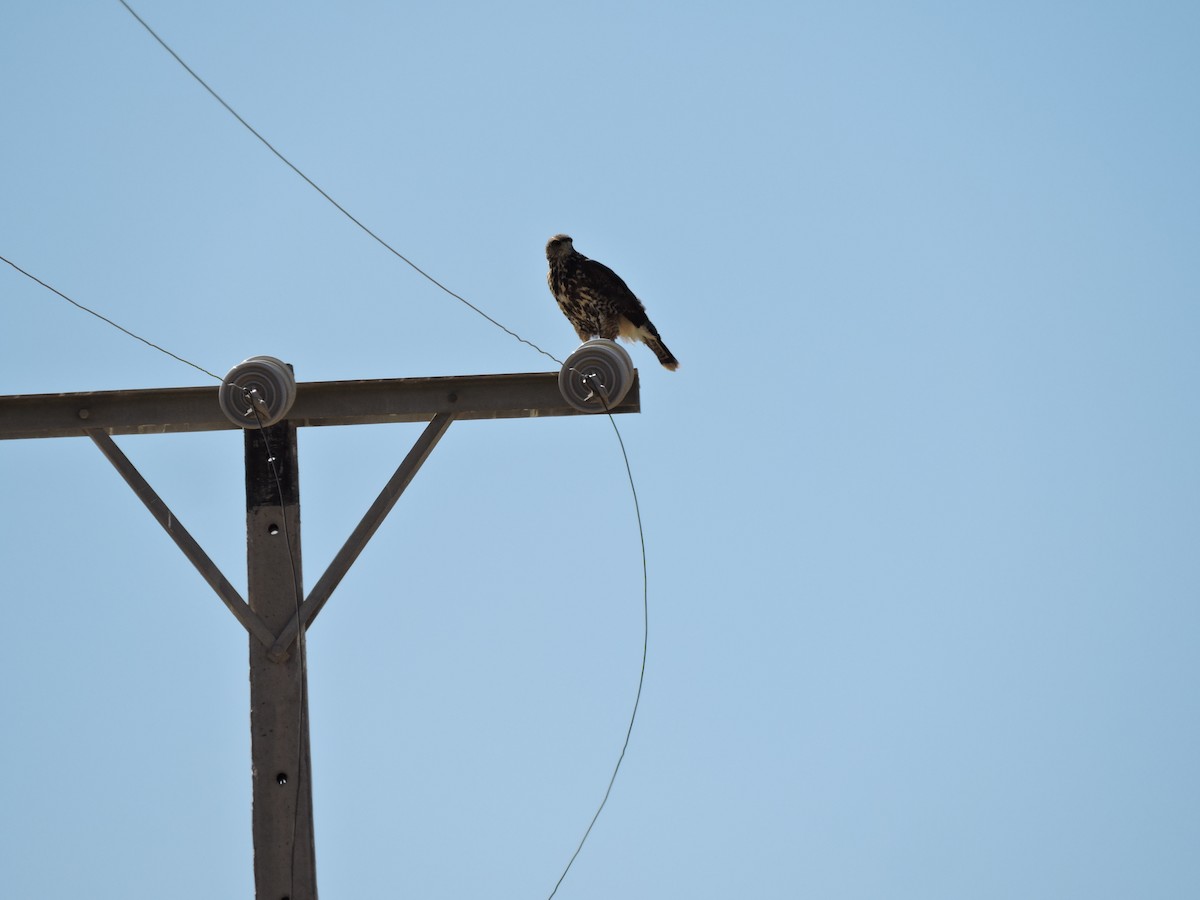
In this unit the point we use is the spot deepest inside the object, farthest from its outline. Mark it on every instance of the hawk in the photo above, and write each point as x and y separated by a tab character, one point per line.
597	302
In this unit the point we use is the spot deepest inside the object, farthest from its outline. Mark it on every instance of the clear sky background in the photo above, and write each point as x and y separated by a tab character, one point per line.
921	505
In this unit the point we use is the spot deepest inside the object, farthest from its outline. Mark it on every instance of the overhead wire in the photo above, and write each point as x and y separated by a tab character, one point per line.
345	212
300	639
271	459
104	318
637	509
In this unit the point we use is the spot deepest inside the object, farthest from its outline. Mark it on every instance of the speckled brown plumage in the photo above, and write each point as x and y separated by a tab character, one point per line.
597	302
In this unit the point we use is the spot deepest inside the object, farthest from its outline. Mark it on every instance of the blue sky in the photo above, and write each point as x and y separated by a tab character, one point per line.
921	505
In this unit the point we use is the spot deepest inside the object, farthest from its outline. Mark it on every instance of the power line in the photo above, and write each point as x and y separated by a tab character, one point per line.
434	281
463	300
103	318
295	581
345	212
645	646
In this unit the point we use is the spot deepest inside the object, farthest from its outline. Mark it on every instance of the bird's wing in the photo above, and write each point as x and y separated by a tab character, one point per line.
604	280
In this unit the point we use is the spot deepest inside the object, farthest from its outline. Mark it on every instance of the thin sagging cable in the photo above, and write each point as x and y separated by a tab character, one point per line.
645	640
110	321
345	212
374	236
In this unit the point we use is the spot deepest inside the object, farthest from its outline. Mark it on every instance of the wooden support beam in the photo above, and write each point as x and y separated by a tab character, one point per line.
284	847
182	537
171	410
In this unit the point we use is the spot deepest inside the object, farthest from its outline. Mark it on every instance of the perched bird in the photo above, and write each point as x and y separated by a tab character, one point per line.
597	302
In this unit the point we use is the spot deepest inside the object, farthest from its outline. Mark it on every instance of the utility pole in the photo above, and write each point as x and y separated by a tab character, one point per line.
261	397
284	848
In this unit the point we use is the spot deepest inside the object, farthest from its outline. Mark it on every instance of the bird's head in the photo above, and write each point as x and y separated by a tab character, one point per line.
559	246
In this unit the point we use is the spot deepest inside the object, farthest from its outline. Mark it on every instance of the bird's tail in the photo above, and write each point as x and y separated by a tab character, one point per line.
648	335
665	356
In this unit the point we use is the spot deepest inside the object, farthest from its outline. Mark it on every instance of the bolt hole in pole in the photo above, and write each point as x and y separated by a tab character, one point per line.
281	778
272	528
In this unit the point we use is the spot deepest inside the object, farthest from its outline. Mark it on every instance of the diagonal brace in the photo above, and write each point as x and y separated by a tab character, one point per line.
195	554
362	533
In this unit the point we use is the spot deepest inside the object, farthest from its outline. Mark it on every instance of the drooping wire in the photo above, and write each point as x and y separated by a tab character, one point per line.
600	393
345	212
300	639
271	458
103	318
